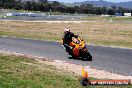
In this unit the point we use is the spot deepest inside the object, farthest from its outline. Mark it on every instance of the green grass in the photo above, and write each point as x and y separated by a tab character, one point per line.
31	36
124	19
119	43
99	33
14	73
92	18
22	72
117	19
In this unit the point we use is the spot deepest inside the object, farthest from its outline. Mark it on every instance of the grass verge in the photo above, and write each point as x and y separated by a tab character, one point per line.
22	72
116	19
99	33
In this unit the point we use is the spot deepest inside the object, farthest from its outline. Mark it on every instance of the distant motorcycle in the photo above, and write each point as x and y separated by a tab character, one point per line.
77	49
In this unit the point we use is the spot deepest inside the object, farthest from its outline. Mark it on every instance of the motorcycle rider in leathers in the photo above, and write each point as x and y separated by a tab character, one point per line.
67	39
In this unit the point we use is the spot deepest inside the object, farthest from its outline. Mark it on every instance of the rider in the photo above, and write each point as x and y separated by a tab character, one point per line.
67	39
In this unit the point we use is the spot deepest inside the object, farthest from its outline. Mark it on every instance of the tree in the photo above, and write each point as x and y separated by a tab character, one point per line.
56	3
110	12
113	7
104	10
1	3
70	10
33	6
18	6
58	7
27	6
39	6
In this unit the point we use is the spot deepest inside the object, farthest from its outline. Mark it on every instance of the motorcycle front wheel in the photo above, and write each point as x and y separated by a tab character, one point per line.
87	57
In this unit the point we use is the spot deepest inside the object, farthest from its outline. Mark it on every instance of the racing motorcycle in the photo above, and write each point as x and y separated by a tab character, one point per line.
77	49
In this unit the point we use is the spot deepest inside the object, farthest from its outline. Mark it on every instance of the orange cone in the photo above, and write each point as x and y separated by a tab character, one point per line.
84	73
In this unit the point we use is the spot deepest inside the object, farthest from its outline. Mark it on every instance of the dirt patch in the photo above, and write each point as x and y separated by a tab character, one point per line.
95	73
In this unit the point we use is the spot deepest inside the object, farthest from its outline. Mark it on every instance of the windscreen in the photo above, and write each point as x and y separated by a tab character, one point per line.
75	40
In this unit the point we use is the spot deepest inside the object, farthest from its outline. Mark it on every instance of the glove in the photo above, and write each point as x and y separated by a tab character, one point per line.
76	36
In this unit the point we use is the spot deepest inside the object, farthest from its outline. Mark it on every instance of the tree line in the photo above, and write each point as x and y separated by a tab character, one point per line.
55	6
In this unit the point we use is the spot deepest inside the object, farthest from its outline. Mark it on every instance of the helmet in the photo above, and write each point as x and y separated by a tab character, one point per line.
67	30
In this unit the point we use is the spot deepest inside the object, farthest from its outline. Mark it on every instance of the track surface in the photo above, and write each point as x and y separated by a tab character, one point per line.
46	18
111	59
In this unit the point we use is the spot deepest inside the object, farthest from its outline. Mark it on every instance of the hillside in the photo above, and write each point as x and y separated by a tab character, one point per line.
32	0
107	4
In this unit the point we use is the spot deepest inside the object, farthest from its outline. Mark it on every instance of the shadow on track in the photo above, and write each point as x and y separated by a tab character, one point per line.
82	59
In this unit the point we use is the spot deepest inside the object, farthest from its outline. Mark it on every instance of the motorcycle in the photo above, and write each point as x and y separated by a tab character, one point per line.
77	49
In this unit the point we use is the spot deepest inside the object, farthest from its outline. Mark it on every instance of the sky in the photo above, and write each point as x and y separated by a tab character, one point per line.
71	1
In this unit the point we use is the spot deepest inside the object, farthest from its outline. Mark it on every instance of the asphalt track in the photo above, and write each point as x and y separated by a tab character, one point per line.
46	18
116	60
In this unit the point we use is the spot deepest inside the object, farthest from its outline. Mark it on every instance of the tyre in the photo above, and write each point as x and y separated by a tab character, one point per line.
87	57
85	81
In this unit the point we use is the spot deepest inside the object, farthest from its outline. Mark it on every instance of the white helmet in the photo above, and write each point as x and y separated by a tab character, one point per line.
67	30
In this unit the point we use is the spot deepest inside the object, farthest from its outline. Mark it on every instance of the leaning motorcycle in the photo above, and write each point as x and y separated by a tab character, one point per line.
77	49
